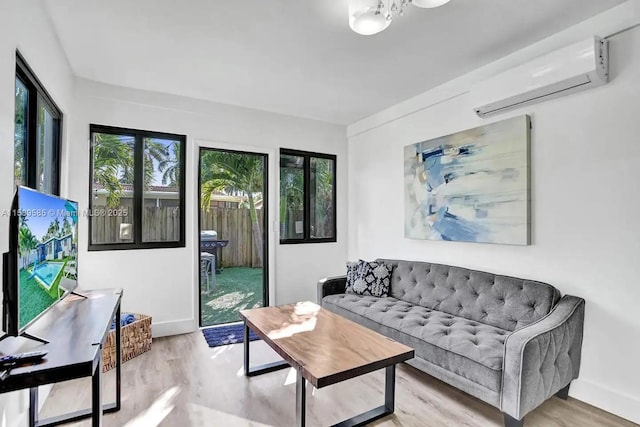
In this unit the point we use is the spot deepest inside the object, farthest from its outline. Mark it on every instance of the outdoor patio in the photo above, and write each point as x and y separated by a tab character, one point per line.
237	288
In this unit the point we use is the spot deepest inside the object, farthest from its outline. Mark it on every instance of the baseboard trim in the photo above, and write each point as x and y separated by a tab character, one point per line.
607	399
172	327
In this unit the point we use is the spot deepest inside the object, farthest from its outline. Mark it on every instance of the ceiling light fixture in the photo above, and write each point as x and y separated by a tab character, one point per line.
367	17
429	3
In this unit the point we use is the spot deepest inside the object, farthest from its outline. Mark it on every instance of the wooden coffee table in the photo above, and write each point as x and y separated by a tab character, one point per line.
324	348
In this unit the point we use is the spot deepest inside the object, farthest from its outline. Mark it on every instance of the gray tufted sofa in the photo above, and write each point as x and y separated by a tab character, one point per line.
510	342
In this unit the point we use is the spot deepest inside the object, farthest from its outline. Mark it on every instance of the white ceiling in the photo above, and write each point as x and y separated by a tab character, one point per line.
297	57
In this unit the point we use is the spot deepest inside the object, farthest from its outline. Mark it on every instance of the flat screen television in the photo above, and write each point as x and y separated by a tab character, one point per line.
41	266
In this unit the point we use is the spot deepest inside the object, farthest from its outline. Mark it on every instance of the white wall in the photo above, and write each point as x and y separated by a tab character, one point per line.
163	282
25	26
585	174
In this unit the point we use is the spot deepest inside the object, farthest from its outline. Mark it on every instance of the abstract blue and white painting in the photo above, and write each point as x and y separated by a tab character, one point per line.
471	186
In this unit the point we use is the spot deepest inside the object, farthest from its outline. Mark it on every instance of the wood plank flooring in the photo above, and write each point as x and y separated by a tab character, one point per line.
182	382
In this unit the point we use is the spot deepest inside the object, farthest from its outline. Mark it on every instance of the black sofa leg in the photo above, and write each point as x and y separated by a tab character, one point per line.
509	421
564	392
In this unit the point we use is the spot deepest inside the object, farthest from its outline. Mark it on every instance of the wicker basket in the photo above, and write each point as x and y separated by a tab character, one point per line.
136	339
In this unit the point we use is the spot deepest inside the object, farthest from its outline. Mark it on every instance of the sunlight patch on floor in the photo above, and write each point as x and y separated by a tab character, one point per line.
291	377
158	410
198	413
228	300
218	351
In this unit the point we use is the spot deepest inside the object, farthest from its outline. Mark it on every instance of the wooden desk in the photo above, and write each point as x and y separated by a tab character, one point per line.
76	328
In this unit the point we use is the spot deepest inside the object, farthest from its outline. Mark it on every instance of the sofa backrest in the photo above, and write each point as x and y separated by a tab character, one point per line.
505	302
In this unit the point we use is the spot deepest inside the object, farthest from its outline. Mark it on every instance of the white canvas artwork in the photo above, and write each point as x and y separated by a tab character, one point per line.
471	186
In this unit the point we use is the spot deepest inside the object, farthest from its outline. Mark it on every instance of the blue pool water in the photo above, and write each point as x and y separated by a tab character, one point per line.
47	271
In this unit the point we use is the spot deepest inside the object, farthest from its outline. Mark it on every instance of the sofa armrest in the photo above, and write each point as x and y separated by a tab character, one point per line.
331	286
542	358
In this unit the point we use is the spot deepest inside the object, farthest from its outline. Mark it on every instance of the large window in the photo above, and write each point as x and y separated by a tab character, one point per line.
307	197
37	133
137	189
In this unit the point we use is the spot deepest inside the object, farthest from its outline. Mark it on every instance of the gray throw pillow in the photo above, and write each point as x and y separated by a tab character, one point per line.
373	279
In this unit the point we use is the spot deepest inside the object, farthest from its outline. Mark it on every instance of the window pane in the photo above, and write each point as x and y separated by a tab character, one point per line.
161	211
46	145
322	203
112	188
291	197
20	133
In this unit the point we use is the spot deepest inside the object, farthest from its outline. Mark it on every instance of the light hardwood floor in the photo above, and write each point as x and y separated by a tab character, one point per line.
182	382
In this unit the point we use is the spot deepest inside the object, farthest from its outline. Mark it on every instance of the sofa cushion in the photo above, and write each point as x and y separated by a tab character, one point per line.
504	302
470	349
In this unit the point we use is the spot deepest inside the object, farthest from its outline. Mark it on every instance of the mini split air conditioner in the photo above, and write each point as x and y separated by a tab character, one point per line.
571	69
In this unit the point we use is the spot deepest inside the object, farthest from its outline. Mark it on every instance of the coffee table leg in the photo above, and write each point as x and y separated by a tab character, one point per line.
301	399
262	369
390	388
246	349
381	411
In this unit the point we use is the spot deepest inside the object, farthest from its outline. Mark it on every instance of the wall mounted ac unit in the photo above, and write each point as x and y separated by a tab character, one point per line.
571	69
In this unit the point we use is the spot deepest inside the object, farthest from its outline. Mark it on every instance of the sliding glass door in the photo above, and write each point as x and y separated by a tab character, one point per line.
233	241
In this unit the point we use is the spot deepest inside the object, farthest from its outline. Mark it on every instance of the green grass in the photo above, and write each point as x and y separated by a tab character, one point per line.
33	298
237	288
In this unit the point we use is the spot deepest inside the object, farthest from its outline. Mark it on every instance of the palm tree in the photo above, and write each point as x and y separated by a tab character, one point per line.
291	196
170	166
323	174
28	242
243	172
23	218
19	132
112	158
155	151
66	227
53	230
113	163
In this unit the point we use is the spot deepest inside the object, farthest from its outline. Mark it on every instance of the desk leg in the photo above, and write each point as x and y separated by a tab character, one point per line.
301	399
96	395
118	358
33	406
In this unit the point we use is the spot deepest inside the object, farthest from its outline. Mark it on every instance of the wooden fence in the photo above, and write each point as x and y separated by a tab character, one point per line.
235	226
163	224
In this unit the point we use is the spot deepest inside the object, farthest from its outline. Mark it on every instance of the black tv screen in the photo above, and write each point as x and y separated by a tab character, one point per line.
47	252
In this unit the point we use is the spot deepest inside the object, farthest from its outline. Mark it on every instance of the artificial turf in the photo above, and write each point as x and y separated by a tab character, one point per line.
237	288
33	299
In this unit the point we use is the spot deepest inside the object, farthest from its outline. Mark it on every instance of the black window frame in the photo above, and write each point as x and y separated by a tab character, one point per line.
37	92
308	155
138	189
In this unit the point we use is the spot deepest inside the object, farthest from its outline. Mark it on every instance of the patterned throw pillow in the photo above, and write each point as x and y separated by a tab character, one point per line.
373	279
352	275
